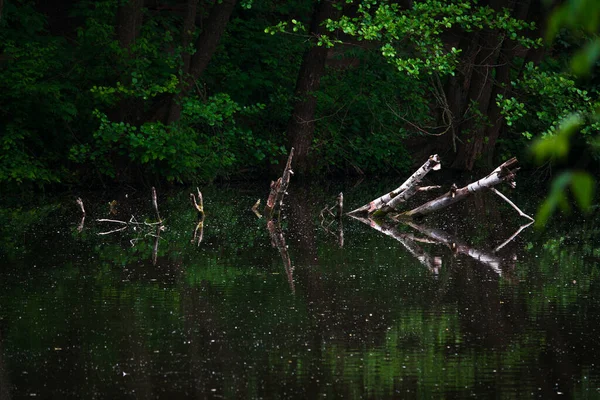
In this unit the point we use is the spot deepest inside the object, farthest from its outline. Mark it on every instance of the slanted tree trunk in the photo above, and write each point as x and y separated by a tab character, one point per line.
205	46
301	126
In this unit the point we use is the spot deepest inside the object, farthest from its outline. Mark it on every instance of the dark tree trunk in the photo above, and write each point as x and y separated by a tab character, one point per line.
485	72
301	126
509	51
1	7
129	22
205	47
189	26
478	100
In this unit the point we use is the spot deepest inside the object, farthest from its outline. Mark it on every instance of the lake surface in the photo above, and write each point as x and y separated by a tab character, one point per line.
305	310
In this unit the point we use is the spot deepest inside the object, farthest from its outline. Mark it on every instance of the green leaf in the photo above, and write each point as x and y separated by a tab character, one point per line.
582	186
557	145
583	61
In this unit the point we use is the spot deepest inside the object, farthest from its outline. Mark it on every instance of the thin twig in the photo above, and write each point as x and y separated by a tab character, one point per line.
113	220
521	213
113	231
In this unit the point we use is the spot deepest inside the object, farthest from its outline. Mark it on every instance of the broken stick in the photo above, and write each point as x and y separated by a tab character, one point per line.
279	190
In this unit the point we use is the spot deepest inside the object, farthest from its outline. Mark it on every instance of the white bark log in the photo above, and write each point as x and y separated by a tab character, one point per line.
406	190
499	175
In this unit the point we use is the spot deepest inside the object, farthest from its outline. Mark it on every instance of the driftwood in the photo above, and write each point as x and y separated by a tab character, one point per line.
388	202
279	190
133	222
504	173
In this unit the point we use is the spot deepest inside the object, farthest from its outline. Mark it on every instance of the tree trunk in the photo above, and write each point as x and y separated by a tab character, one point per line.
479	92
301	126
205	46
509	51
484	72
129	22
1	7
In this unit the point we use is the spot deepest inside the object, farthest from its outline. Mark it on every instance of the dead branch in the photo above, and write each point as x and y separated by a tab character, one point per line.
198	205
389	201
501	174
503	197
155	204
80	204
279	190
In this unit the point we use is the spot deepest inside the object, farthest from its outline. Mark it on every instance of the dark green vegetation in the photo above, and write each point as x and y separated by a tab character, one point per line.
89	316
193	90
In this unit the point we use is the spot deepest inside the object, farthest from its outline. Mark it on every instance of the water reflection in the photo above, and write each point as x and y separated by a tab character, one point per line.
90	316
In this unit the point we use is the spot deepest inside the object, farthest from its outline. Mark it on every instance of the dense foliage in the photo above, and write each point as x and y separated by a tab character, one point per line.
185	91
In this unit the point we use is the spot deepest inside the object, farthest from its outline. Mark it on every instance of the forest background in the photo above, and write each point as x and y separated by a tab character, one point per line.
188	91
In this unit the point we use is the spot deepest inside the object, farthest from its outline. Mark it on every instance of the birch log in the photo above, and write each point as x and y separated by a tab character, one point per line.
388	202
501	174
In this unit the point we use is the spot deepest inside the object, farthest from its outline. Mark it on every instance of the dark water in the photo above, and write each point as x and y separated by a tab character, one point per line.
428	311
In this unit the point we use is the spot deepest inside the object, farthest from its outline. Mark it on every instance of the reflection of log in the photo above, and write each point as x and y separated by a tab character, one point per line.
278	190
410	243
278	241
499	175
390	201
458	246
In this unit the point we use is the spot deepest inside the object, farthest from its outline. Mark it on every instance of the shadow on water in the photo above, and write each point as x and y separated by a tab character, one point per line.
462	304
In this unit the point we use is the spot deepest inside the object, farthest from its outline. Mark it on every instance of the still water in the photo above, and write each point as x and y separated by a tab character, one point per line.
235	308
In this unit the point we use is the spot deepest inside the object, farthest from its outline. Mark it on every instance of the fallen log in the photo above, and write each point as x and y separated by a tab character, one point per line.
501	174
388	202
